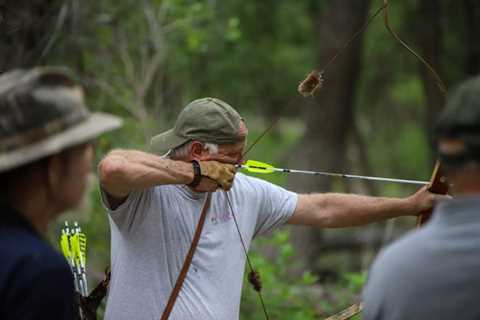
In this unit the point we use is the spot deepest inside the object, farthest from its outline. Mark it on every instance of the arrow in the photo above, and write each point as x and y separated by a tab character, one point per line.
79	245
74	246
260	167
66	246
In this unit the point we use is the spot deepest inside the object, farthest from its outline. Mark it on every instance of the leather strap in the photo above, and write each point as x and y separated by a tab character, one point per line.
89	305
188	260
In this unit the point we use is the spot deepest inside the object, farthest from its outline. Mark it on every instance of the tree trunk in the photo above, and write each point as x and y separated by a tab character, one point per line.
472	45
329	116
429	41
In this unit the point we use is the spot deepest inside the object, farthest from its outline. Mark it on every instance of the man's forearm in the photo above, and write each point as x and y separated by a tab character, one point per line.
124	171
334	210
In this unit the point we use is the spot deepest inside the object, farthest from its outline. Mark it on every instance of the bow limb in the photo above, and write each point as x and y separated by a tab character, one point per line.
438	182
438	80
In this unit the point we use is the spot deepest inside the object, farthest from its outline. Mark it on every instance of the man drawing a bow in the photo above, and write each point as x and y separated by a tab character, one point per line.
154	204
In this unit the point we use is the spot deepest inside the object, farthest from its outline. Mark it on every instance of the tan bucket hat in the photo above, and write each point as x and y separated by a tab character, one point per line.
42	112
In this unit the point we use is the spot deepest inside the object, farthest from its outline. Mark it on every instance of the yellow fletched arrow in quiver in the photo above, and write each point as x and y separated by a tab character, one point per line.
79	248
65	246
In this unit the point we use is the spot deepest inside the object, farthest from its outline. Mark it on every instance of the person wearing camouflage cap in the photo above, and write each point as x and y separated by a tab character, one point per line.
155	200
433	273
45	156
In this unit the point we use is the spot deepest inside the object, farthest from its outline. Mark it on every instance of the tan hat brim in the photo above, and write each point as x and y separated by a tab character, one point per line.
95	125
160	144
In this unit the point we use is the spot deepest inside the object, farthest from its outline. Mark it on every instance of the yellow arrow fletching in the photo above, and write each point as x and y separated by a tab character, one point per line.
75	248
82	240
258	167
65	246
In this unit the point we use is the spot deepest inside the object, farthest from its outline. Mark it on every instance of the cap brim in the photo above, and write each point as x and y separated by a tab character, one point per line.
160	144
95	125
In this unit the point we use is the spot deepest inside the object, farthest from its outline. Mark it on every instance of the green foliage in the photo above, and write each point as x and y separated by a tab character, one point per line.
355	281
284	296
344	292
287	297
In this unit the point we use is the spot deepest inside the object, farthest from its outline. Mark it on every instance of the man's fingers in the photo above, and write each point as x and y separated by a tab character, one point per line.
424	200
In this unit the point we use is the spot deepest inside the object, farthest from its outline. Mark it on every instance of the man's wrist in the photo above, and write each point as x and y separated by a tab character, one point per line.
410	206
197	174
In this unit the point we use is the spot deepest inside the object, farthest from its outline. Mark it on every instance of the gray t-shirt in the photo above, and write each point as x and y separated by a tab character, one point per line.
152	231
432	273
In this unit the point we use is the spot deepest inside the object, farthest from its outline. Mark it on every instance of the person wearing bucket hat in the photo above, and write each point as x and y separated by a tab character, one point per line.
45	157
156	200
433	273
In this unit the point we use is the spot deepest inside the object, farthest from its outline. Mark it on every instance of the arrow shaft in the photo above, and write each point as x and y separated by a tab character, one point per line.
340	175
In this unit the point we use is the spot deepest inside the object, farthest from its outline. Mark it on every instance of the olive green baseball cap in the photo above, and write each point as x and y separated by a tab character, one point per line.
42	112
459	122
208	120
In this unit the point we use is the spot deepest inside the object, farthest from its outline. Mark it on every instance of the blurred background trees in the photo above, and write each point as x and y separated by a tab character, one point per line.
144	60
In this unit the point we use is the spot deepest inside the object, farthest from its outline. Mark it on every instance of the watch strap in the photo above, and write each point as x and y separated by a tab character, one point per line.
197	174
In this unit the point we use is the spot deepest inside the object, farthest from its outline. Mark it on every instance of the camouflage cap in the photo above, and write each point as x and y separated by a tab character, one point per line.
42	112
458	127
208	120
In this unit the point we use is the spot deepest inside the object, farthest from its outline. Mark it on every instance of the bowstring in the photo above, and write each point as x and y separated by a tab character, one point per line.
250	265
274	122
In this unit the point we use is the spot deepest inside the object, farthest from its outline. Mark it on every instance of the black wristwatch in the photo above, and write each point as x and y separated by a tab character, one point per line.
197	174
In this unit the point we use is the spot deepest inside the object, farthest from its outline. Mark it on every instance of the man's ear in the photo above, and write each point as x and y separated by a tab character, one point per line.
197	150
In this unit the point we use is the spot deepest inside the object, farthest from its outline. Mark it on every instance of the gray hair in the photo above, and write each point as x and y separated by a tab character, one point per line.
183	150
